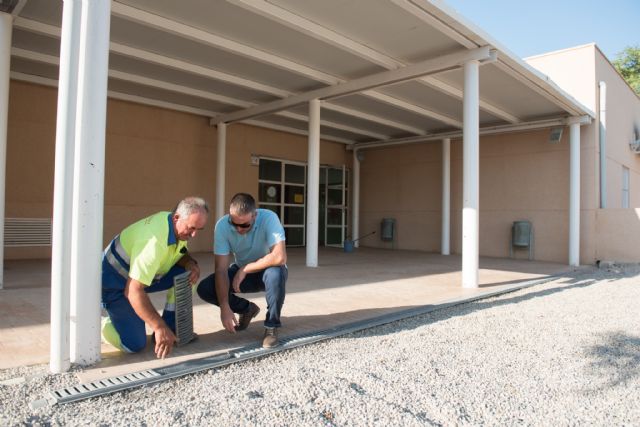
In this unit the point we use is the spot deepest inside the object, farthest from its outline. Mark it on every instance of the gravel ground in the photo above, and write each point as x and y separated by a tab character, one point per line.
562	353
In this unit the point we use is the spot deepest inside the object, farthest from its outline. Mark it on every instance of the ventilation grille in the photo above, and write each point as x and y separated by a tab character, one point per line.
27	232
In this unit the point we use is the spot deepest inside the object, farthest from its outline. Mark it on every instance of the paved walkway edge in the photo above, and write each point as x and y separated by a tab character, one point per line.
151	376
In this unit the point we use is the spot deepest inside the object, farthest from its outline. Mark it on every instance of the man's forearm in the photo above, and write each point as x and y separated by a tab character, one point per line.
142	306
269	260
222	287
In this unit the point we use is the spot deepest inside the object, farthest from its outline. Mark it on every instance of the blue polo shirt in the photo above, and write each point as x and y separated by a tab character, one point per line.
246	248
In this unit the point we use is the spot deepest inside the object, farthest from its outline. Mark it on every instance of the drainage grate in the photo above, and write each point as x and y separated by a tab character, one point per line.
105	386
111	385
184	308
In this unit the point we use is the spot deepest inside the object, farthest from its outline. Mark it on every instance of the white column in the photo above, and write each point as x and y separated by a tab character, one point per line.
88	200
574	194
355	208
221	164
470	175
446	195
6	24
313	183
63	187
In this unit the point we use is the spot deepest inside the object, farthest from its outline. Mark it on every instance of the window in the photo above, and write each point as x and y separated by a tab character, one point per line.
625	187
281	189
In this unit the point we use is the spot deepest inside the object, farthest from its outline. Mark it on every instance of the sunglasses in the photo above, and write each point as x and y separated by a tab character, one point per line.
245	225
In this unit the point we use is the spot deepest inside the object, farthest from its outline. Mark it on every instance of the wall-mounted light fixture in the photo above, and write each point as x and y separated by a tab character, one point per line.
555	135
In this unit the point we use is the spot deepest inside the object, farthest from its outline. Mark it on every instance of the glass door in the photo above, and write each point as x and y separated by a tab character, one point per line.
281	188
335	205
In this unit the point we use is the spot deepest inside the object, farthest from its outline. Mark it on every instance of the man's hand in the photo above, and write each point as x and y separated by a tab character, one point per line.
237	280
165	339
194	271
134	292
228	318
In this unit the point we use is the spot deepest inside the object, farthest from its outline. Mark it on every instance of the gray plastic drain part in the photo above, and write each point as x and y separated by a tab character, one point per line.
184	308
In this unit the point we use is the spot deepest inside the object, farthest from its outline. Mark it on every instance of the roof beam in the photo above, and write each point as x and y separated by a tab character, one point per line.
171	26
530	81
326	35
288	129
16	10
186	31
304	118
413	108
154	58
146	81
469	35
451	90
489	130
171	106
312	29
52	31
385	78
135	78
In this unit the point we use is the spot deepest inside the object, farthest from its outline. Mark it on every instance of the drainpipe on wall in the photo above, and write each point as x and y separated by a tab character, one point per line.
603	144
221	164
446	196
355	211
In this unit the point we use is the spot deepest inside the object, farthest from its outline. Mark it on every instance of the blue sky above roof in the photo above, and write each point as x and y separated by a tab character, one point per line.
533	27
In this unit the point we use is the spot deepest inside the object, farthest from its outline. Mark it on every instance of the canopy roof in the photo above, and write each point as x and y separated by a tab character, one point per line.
257	61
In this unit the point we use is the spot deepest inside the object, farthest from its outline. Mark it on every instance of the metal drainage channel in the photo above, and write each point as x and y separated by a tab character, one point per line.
150	376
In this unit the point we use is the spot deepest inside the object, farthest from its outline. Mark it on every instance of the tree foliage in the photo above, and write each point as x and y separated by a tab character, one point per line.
627	63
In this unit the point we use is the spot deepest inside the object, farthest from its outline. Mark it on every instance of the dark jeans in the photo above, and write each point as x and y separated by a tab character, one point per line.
271	280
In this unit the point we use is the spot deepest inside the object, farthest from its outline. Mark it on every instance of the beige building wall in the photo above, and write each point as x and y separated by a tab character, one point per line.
154	157
622	128
522	177
579	71
402	183
573	70
619	234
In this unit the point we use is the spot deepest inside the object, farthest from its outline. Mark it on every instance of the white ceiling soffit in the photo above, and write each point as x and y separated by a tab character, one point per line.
224	59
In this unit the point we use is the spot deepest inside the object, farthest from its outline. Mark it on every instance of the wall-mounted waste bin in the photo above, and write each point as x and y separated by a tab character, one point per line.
387	229
521	237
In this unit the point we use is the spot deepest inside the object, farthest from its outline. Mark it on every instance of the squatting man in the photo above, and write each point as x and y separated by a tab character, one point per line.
249	256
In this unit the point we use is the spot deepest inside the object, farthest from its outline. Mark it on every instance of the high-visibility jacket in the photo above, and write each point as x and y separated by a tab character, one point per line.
146	250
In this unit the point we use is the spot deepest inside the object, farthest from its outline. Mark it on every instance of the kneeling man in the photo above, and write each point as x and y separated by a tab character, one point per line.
144	258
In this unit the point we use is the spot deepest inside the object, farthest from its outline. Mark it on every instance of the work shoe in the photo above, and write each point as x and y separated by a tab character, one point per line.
245	318
270	337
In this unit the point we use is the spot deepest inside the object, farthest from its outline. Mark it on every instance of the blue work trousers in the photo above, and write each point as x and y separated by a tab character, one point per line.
127	323
272	281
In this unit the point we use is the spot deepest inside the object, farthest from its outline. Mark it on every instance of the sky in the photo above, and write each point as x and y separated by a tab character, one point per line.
532	27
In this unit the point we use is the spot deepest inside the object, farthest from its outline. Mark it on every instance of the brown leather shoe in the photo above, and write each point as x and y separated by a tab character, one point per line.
270	337
245	318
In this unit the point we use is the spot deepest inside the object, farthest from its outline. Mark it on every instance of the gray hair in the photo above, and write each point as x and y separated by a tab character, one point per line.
242	204
191	205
